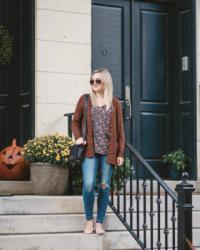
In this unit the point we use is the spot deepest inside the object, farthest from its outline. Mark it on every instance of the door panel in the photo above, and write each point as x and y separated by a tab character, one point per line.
17	78
154	35
109	41
111	46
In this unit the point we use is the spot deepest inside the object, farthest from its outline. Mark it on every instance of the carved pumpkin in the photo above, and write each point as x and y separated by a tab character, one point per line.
12	163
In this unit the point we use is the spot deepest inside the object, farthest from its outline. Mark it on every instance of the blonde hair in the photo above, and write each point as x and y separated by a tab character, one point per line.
108	87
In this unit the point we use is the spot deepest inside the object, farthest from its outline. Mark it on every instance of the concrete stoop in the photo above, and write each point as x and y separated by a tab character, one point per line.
56	223
31	222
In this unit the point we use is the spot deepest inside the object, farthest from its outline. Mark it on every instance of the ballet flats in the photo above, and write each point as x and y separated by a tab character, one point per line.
99	229
89	228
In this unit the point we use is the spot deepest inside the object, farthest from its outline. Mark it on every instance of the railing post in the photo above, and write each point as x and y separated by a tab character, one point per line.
184	190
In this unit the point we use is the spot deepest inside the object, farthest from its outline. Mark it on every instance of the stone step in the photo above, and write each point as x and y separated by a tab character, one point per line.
25	187
69	241
29	224
32	204
61	241
77	241
15	187
56	223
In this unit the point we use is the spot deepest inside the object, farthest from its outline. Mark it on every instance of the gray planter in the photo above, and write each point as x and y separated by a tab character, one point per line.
48	179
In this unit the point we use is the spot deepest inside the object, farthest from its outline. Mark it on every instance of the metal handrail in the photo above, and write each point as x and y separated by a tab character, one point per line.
143	172
153	172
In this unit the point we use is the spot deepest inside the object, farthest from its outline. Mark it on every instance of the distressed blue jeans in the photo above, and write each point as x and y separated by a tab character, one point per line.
90	167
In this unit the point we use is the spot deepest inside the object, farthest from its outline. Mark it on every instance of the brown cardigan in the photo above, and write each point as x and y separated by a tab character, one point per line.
117	137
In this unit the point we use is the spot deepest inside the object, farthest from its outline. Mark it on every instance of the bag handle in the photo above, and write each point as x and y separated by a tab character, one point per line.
84	130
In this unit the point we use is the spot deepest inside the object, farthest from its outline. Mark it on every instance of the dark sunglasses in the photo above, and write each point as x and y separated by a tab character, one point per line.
98	81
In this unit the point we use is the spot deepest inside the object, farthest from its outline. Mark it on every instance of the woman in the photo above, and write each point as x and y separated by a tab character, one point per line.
105	142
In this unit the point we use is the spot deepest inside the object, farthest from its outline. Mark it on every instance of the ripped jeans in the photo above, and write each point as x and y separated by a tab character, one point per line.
89	170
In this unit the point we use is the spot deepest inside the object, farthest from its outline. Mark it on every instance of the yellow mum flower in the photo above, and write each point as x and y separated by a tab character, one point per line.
57	157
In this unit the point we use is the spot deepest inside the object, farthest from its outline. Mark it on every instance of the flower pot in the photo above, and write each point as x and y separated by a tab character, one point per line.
49	179
174	173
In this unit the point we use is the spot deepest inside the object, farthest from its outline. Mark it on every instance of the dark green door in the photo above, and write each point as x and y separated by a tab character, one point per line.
141	42
17	78
153	84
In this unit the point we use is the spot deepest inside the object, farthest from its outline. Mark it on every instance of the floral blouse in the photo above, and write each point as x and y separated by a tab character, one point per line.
101	128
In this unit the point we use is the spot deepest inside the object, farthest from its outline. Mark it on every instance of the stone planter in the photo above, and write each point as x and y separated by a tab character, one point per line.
48	179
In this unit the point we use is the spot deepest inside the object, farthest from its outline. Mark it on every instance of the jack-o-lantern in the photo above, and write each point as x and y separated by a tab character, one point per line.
12	163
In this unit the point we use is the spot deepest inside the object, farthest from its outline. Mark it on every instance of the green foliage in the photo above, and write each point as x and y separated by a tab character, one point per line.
53	149
120	175
6	46
176	159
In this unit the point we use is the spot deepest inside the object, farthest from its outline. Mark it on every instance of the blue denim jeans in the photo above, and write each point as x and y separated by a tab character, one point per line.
90	167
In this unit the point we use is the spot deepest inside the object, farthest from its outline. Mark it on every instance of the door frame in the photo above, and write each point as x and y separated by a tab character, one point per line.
33	20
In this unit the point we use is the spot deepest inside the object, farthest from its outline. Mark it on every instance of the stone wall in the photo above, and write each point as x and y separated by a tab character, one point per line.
63	60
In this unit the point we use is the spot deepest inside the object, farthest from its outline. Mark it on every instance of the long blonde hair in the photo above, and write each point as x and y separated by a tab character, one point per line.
108	87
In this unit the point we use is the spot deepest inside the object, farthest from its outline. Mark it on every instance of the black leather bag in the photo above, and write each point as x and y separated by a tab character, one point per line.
77	152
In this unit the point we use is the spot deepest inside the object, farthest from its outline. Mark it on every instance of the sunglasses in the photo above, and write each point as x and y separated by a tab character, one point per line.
98	81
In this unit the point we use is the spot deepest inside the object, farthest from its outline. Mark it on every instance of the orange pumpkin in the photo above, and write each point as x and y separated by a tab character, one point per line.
13	166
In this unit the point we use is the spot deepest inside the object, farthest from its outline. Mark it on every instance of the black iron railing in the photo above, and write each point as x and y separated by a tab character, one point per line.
69	117
150	210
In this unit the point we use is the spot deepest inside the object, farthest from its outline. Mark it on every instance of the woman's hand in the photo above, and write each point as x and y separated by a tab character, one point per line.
120	161
80	141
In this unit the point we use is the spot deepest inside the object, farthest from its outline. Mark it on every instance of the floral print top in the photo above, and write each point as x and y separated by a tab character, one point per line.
101	128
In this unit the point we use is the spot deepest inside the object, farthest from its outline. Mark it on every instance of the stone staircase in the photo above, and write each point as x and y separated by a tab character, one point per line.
31	222
55	223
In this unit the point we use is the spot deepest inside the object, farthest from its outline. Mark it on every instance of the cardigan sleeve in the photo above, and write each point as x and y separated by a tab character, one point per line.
120	129
77	119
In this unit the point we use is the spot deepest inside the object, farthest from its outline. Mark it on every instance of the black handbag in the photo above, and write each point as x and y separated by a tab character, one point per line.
77	152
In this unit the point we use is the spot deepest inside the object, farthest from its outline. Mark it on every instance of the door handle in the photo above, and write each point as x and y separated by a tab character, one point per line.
128	109
128	105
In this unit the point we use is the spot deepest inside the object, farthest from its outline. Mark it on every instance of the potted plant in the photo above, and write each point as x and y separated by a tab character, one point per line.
119	175
177	161
49	163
